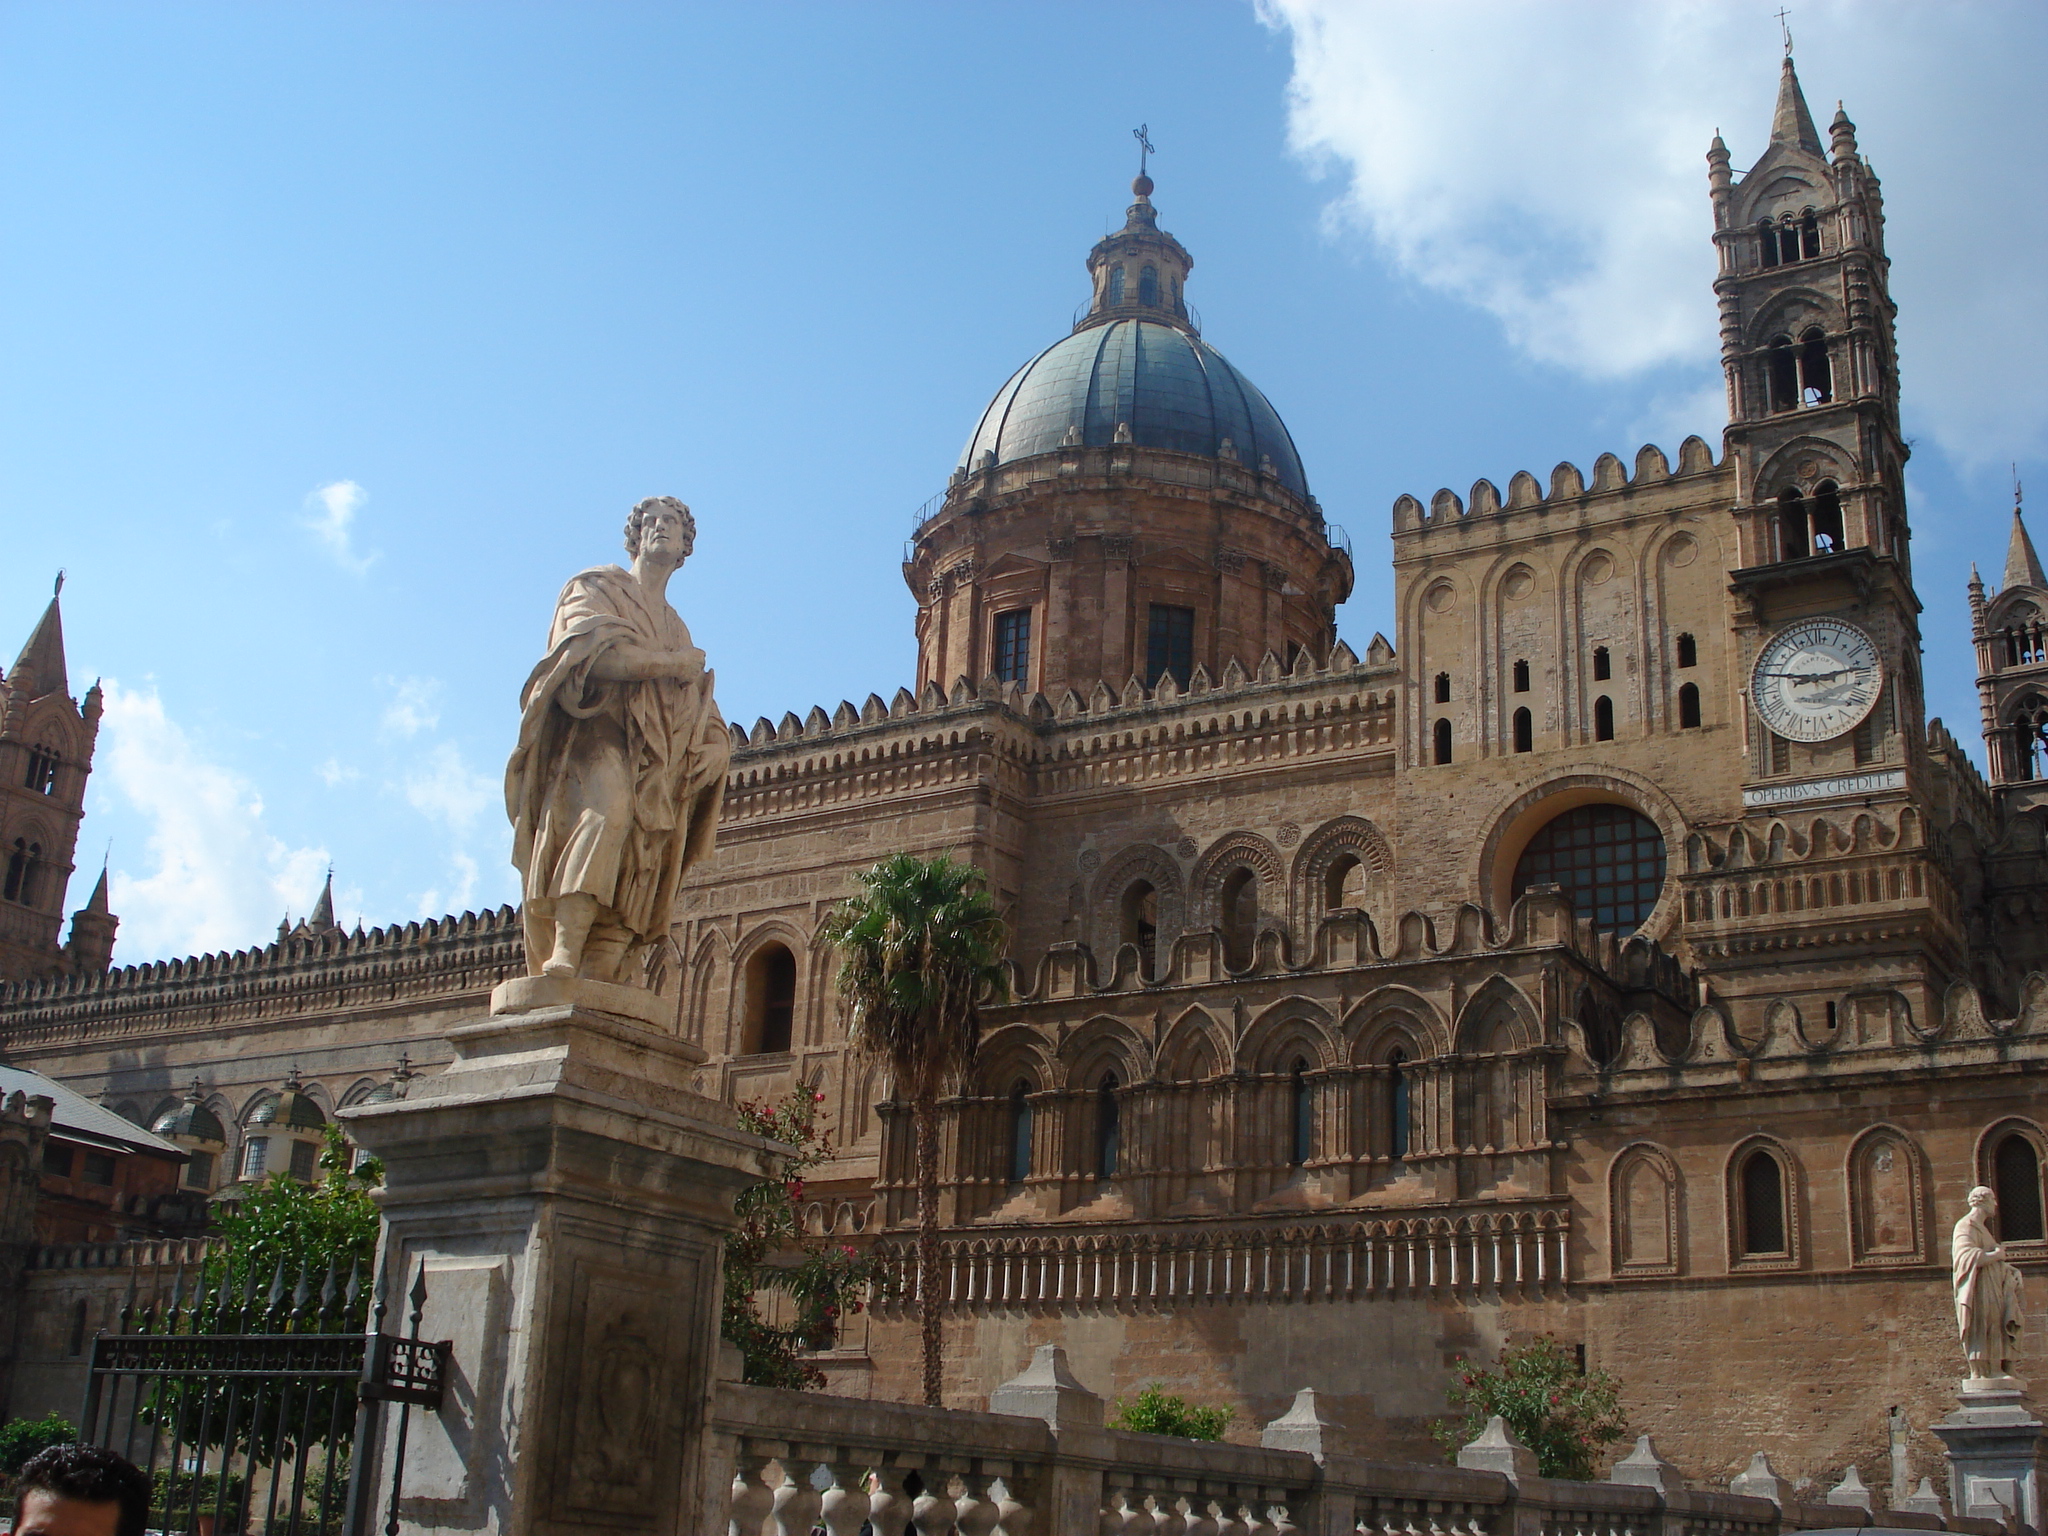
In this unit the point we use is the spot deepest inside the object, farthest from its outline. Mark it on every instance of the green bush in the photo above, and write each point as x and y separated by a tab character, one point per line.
1155	1411
22	1438
172	1501
1563	1414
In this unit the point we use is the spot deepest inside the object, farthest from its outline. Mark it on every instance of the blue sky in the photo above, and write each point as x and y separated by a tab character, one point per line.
336	337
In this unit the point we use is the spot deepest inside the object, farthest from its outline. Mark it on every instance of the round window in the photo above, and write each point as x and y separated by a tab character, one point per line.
1608	858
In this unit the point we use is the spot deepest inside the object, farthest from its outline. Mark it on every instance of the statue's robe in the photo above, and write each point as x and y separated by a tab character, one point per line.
1987	1291
613	788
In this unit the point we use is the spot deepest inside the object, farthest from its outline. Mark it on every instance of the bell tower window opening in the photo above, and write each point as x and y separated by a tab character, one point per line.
1809	237
1792	539
1603	665
1816	373
1397	1105
1148	285
1443	741
1525	731
1141	921
1443	687
1763	1207
1767	243
1239	914
1116	285
24	871
1020	1131
1688	706
771	1000
1108	1132
42	770
1783	366
2016	1177
1169	644
2028	736
1827	519
1688	651
1013	647
1608	858
1521	677
1603	718
1301	1116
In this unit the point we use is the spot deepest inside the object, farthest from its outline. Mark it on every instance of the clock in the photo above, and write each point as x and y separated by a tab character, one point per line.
1816	680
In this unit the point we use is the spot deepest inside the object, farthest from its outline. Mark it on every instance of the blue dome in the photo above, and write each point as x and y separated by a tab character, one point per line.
1173	389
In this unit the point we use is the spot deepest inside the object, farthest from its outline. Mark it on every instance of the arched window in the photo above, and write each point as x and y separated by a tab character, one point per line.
1603	664
1141	920
1608	858
1816	375
1239	911
1688	651
1767	242
1443	687
2016	1179
1762	1211
1809	236
1827	519
1688	706
2027	735
1525	731
42	769
1020	1131
1603	718
17	869
1148	285
771	1000
1783	369
1344	883
1443	741
1108	1133
1013	647
1397	1104
1521	677
1116	285
1792	540
1301	1115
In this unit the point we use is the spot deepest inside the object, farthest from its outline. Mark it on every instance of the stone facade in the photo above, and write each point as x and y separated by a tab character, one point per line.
1370	1005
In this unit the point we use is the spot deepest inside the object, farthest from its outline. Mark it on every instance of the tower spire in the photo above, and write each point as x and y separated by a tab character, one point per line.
43	656
2022	565
1791	123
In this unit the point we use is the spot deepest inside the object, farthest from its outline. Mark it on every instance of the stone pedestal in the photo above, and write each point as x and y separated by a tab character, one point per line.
567	1192
1993	1441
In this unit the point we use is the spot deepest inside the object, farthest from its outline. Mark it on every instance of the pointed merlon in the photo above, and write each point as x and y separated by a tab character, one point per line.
2022	565
44	653
1792	123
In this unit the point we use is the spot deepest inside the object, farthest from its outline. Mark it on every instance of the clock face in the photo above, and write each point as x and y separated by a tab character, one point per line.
1816	680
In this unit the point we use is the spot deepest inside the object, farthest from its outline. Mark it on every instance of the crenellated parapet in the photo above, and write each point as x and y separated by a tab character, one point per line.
1613	492
440	957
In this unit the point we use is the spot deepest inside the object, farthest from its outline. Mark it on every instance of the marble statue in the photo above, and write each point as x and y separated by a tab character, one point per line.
615	784
1987	1289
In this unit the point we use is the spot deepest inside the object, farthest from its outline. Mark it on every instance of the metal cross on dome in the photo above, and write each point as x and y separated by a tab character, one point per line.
1144	145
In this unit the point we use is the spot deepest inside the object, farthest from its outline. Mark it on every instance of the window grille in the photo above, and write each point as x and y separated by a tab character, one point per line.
1169	644
1608	858
255	1155
1013	647
303	1153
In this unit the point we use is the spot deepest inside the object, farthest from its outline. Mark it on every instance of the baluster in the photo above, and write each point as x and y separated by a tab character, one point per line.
975	1514
933	1513
1202	1516
889	1505
796	1501
1013	1515
1258	1516
1283	1519
751	1497
1231	1517
1167	1519
844	1506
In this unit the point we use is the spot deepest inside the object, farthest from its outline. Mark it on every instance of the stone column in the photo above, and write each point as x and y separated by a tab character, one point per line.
1994	1443
566	1191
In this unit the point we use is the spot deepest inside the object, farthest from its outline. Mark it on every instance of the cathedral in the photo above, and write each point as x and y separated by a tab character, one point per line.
1617	951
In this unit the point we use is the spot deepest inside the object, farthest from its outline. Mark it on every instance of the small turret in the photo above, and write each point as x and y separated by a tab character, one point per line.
93	926
1140	270
1841	137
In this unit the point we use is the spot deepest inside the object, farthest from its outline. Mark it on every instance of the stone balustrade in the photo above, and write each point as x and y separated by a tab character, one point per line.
790	1463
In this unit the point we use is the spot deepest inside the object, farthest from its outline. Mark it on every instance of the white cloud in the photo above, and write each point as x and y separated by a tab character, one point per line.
1545	164
414	707
217	878
443	788
334	773
330	515
460	892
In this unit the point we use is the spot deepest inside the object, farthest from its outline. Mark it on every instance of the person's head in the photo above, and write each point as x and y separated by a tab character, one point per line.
80	1490
663	526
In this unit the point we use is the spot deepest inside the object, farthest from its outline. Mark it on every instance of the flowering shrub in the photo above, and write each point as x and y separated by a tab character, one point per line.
1155	1411
1563	1414
769	1253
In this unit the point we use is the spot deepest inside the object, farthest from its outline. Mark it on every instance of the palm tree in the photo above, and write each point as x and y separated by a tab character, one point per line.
920	948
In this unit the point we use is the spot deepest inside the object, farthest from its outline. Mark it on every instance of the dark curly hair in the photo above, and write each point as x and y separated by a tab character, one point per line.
639	513
91	1474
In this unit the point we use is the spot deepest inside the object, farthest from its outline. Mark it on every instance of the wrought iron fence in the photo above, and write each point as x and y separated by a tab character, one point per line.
245	1407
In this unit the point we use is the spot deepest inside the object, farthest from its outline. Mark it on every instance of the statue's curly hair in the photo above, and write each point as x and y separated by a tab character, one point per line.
639	513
